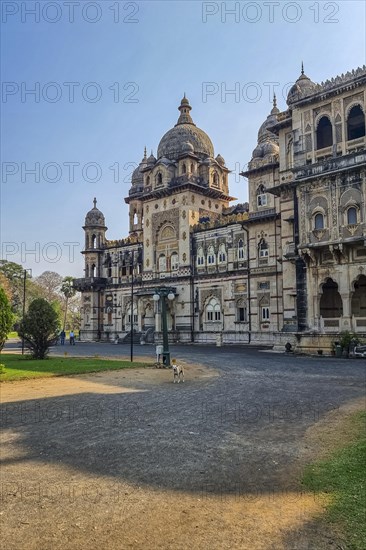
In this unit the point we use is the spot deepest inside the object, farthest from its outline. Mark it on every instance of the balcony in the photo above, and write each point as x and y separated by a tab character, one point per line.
90	283
290	251
356	145
330	165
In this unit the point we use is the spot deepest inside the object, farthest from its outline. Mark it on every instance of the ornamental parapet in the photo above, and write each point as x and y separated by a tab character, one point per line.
330	165
89	283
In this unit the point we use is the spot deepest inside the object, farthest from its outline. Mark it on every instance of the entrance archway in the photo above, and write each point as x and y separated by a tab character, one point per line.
358	303
331	305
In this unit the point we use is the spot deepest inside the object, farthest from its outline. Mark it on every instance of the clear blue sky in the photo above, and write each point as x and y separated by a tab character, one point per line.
171	48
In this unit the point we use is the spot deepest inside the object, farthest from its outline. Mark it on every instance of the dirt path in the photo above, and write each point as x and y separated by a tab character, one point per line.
47	504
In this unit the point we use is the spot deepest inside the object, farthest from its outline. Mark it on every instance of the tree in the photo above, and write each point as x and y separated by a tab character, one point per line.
6	317
50	283
39	328
68	291
14	274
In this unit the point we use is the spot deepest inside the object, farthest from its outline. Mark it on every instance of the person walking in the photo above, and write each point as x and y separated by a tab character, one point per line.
72	338
62	337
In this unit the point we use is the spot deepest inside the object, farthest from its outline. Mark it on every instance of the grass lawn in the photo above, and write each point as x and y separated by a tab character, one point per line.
343	476
19	367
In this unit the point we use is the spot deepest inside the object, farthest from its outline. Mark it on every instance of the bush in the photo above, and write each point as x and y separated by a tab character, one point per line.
39	328
6	317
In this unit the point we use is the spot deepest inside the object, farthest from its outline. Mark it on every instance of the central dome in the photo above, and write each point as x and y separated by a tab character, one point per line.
185	137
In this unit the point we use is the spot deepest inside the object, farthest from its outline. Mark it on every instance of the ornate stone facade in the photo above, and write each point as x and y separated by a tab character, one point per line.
286	265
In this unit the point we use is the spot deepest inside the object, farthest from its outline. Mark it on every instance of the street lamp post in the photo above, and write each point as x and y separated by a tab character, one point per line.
24	281
131	348
164	293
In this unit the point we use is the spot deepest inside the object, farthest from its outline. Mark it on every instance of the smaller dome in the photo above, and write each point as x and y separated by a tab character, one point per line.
95	216
258	152
187	147
303	87
270	148
184	101
220	160
151	159
137	175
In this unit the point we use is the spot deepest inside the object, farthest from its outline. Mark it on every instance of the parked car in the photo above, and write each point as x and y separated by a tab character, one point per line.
359	351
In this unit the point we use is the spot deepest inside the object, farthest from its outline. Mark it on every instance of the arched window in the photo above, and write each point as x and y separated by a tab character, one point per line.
240	249
94	241
184	169
215	179
352	216
135	219
330	302
192	168
200	257
174	261
264	309
213	310
318	221
261	196
93	271
159	178
241	312
358	303
265	313
263	249
324	133
222	253
162	262
148	180
289	153
211	259
355	123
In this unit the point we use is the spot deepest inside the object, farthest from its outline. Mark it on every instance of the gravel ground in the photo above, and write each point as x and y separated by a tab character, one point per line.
130	460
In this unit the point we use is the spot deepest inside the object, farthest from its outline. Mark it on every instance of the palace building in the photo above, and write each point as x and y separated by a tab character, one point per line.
289	266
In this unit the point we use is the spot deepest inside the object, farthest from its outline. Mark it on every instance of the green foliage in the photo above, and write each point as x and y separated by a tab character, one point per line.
344	476
39	328
69	292
6	317
14	275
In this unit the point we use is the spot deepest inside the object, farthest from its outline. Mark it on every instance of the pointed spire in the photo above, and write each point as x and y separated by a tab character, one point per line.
302	68
184	108
275	109
95	202
145	155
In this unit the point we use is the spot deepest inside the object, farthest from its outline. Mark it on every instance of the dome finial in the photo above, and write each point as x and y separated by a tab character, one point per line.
184	108
302	68
275	109
145	155
95	202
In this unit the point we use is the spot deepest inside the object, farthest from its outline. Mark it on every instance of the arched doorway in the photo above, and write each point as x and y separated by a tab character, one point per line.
358	303
331	305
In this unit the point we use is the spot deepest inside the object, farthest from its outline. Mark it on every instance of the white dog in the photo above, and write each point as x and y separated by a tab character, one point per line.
178	371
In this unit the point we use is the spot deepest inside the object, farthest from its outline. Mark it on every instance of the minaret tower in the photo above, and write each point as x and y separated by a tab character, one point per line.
95	230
